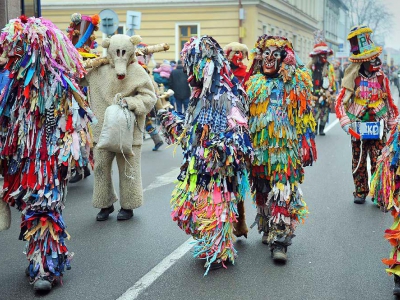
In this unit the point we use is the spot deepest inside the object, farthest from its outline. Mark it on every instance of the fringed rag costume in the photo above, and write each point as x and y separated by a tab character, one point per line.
282	133
385	191
216	151
44	133
365	97
323	80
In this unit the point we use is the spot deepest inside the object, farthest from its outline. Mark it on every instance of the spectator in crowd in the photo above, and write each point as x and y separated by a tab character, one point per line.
178	83
162	73
172	99
338	75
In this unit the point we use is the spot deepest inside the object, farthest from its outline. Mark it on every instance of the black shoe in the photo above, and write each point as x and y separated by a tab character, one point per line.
78	177
104	213
279	253
321	130
42	285
158	145
124	214
359	200
396	289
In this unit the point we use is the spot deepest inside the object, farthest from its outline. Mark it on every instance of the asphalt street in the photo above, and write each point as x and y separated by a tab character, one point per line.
336	253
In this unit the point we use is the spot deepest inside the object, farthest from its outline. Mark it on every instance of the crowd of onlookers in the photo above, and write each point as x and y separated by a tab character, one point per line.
170	74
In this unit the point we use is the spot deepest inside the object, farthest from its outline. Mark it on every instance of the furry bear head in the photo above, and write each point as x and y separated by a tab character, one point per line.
121	52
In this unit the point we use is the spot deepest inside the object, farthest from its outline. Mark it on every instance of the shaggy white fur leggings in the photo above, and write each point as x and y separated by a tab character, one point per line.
130	189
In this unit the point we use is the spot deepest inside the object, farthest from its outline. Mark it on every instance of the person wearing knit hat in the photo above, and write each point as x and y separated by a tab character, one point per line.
365	107
323	77
235	53
279	89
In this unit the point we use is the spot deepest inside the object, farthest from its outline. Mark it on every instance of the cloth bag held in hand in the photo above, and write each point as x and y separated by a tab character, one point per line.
117	132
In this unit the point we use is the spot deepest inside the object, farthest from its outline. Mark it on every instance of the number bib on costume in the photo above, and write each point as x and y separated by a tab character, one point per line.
369	130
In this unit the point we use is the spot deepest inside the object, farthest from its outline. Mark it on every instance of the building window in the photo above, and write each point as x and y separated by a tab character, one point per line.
265	29
272	30
295	43
183	33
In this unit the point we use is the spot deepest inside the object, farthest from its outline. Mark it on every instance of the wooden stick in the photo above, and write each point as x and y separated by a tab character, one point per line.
100	61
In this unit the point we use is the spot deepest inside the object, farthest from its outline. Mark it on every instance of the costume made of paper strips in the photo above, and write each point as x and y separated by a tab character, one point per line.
282	133
124	76
216	148
365	97
235	53
324	86
385	190
44	133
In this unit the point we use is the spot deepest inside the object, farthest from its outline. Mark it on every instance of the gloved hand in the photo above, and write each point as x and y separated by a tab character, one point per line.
346	128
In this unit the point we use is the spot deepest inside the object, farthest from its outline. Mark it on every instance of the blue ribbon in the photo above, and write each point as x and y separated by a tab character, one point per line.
85	36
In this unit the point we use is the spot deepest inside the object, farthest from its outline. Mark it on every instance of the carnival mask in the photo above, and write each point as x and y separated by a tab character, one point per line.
237	59
373	65
323	58
271	60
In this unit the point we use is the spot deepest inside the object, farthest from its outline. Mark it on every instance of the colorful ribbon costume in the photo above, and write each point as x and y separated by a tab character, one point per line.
385	187
44	133
282	132
216	148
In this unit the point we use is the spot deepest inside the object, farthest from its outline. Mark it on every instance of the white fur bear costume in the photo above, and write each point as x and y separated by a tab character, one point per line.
122	75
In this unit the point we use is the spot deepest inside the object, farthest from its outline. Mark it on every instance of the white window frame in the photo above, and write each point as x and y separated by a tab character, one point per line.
104	36
177	35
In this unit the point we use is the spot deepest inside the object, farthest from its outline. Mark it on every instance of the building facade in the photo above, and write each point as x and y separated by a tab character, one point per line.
174	22
334	22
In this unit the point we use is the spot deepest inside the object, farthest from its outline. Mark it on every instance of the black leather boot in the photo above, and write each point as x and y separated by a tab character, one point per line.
43	285
359	199
396	289
78	177
321	129
124	214
104	213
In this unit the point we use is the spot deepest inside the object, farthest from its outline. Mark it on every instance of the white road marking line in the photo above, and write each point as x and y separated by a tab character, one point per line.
164	179
331	125
148	279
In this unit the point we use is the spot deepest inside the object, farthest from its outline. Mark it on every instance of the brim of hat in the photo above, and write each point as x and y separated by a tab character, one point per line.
318	52
363	57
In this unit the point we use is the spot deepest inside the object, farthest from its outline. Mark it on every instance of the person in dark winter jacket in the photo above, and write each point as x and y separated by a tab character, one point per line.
178	83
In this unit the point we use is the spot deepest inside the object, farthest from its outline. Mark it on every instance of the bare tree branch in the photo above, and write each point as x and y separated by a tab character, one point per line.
372	13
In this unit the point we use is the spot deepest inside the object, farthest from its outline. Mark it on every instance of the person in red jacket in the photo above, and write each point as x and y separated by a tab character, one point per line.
235	53
363	102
